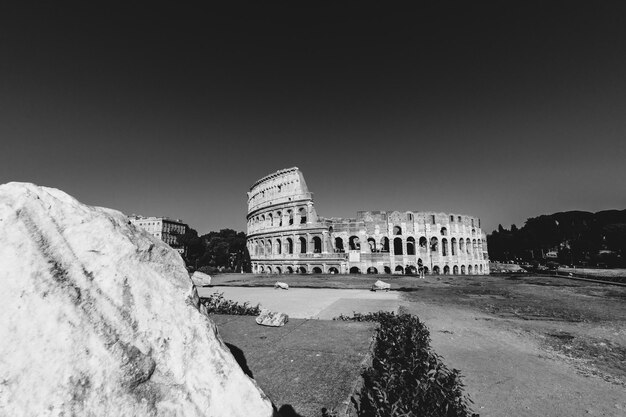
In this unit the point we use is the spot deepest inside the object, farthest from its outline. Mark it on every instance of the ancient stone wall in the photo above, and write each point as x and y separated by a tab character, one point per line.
285	235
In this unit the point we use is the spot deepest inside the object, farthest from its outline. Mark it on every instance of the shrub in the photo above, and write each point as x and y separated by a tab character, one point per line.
406	378
217	304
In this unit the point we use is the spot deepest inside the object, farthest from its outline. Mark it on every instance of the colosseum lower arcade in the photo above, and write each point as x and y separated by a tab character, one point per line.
285	235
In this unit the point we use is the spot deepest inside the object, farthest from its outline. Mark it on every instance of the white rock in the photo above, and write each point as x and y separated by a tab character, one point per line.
380	285
271	318
201	279
95	319
281	285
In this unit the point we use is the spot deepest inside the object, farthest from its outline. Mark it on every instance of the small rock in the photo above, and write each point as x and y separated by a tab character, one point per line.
281	285
380	285
200	279
271	318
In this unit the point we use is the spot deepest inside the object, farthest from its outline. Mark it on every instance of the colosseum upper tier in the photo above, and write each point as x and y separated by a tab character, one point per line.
285	235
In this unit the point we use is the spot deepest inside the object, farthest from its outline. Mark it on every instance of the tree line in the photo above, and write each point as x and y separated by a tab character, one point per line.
223	251
573	238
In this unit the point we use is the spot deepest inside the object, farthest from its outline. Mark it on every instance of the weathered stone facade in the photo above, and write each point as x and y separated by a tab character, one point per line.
285	235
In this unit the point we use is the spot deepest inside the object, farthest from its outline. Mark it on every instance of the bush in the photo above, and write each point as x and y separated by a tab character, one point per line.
217	304
406	378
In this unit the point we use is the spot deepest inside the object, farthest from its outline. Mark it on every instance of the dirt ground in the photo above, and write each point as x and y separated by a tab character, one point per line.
528	345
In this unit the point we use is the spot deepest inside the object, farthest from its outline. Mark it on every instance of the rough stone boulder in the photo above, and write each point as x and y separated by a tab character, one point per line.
96	319
271	318
381	285
281	285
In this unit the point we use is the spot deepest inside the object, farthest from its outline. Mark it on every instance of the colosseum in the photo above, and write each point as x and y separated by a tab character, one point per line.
285	235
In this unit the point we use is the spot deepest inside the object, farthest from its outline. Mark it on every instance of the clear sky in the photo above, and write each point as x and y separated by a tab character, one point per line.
499	110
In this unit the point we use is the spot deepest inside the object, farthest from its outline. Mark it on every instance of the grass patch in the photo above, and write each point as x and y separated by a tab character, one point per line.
217	304
406	378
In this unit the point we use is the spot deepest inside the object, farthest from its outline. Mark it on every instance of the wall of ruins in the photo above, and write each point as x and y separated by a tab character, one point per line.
285	235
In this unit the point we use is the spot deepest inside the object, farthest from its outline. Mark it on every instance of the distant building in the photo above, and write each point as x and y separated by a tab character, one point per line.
164	228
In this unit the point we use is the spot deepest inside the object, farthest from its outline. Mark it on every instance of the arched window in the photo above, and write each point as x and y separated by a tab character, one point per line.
444	246
317	244
455	270
474	247
302	270
302	245
453	246
289	246
444	231
339	244
354	242
436	270
372	270
387	270
333	270
270	219
397	246
269	269
410	270
399	269
289	270
451	219
372	243
462	269
355	270
423	242
468	245
446	270
469	270
302	213
397	230
279	216
461	245
434	244
384	244
317	270
426	270
410	246
269	247
279	270
279	246
290	214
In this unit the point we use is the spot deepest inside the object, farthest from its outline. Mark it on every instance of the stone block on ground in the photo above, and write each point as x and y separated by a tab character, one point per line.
380	285
201	279
272	318
281	285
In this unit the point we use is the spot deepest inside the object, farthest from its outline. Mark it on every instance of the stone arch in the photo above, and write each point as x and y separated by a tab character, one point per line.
410	270
302	244
384	244
317	244
372	243
434	244
372	270
446	270
461	245
270	219
462	269
302	270
302	214
474	247
397	230
397	246
355	270
279	270
290	217
426	270
481	268
444	231
399	269
289	270
339	244
436	270
279	246
470	270
468	245
354	243
453	246
330	229
279	216
317	270
423	242
333	270
387	270
269	269
289	246
261	269
410	245
455	270
269	247
444	247
475	269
